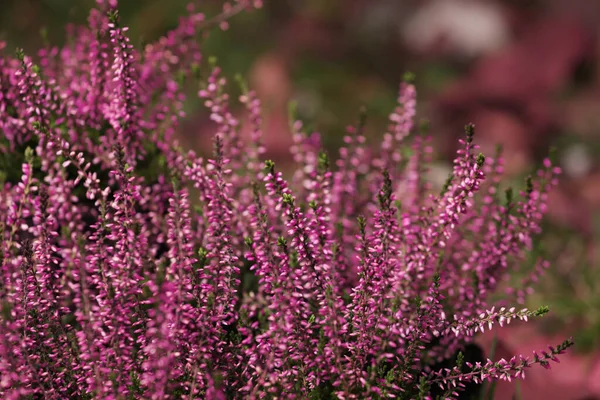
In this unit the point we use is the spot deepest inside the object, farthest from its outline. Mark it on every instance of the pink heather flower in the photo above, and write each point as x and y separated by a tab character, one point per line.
130	268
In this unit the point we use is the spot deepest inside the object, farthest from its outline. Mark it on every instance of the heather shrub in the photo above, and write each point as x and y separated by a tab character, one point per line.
134	269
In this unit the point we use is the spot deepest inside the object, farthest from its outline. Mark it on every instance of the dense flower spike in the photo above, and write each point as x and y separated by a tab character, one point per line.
132	269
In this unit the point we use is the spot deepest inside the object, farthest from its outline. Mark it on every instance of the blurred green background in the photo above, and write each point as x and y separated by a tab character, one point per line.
526	72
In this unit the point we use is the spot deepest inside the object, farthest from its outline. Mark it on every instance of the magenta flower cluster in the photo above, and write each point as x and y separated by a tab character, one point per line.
132	269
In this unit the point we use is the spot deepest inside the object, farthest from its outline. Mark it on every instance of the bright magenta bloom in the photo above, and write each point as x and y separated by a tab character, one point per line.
133	269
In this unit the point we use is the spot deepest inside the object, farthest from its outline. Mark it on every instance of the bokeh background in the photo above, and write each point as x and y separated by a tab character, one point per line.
526	72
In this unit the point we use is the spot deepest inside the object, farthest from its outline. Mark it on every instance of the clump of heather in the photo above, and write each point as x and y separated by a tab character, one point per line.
131	268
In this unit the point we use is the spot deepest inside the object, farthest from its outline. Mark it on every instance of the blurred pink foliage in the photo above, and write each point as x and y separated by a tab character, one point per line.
517	84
